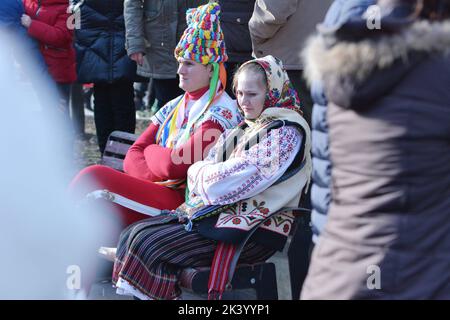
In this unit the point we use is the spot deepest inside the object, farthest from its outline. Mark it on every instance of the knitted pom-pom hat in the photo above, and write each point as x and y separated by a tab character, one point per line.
202	41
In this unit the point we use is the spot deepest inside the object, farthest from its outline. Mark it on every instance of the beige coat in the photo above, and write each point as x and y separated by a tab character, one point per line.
281	27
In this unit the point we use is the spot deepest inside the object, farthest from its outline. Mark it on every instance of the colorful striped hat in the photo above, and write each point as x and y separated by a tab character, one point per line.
202	41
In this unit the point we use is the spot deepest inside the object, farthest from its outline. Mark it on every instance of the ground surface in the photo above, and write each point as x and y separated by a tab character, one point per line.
86	150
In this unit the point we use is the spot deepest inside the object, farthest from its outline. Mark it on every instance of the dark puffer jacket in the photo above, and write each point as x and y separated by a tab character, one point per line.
321	174
388	229
340	12
100	43
234	22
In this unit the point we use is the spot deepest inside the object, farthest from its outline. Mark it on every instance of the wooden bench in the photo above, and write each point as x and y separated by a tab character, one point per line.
259	276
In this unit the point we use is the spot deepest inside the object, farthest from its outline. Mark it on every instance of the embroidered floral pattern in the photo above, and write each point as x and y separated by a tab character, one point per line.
213	151
282	93
256	163
164	112
236	221
221	175
223	115
280	223
227	114
229	220
268	156
236	195
260	208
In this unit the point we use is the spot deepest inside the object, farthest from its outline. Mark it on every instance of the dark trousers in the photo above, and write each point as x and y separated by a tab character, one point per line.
140	92
77	108
306	103
166	90
303	91
231	68
64	96
64	91
113	109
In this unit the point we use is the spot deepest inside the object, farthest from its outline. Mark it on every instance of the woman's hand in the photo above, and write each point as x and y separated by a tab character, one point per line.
138	58
25	20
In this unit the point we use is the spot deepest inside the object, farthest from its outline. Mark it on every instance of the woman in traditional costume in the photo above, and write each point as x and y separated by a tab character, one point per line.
252	172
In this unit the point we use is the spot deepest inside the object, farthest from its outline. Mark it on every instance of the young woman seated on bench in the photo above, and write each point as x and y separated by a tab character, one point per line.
254	170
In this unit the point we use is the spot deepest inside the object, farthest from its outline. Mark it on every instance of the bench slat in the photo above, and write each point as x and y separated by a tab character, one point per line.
117	149
121	135
112	162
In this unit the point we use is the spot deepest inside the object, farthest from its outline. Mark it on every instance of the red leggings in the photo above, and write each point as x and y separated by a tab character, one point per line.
146	192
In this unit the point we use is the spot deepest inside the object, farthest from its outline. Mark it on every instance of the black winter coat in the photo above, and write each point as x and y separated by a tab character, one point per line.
100	43
234	23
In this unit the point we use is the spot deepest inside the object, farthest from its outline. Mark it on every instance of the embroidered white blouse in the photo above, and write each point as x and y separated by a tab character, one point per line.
223	111
246	173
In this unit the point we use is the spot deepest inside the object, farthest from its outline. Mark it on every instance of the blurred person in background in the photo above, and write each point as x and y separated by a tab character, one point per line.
281	28
26	53
141	89
47	22
103	61
235	17
386	77
153	29
77	109
43	238
339	13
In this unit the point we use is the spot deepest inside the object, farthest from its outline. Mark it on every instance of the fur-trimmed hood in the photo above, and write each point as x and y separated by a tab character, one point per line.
348	69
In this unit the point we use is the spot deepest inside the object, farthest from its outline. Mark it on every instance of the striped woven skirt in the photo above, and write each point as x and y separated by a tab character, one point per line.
152	253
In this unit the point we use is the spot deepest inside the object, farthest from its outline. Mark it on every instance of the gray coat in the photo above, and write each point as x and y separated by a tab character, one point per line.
154	28
388	229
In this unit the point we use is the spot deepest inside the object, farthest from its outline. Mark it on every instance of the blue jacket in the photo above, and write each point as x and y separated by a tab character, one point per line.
10	13
26	51
100	43
339	12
